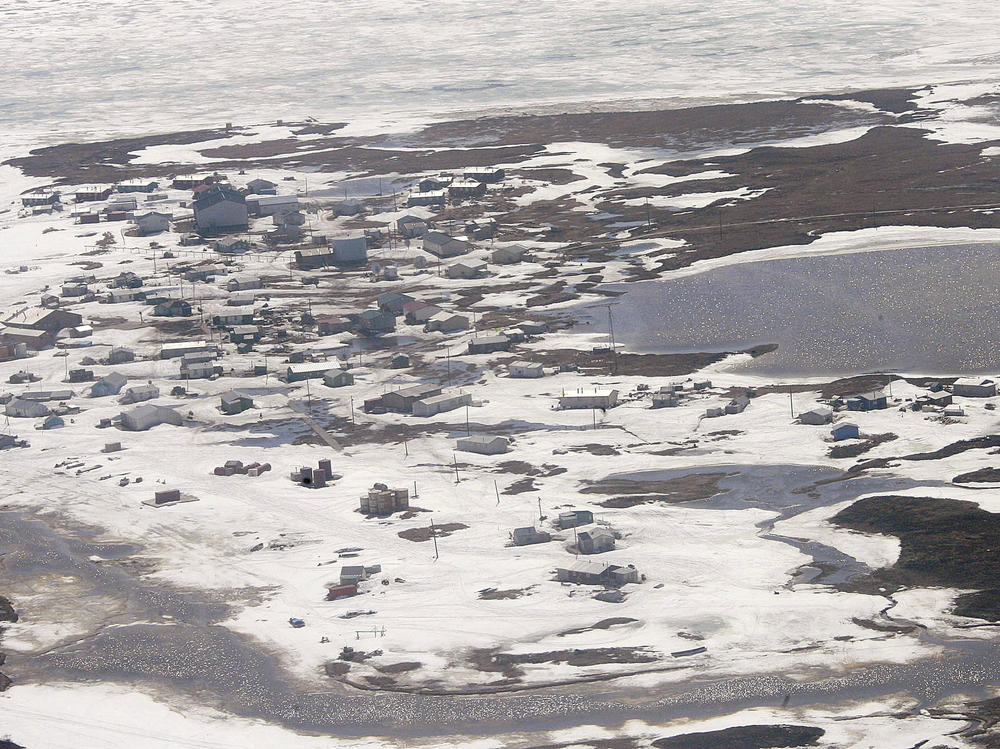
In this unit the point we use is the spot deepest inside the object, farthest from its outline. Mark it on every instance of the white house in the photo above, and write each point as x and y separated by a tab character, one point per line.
974	387
589	399
141	418
525	369
152	222
20	408
484	444
440	403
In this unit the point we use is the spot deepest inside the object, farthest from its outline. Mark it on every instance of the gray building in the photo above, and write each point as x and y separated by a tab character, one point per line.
974	387
141	418
221	209
484	444
108	385
441	245
351	249
595	541
529	535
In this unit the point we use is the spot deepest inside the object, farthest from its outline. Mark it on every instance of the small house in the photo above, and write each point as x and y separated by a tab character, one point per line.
597	398
428	198
529	535
974	387
399	361
446	322
440	404
484	174
310	370
402	400
816	417
20	408
465	189
574	518
260	186
137	185
152	222
268	205
351	249
314	258
338	378
737	405
417	312
234	245
508	255
110	384
173	308
441	245
845	431
467	269
525	370
181	348
352	574
489	344
435	183
139	394
92	193
375	322
595	541
873	401
393	302
141	418
120	355
484	444
233	403
331	324
411	227
220	209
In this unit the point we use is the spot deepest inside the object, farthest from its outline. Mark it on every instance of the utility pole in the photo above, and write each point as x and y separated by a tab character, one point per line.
467	432
791	403
352	409
614	347
540	516
496	488
448	354
455	457
434	537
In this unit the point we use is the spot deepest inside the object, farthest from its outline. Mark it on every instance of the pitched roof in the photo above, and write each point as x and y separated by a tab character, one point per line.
218	194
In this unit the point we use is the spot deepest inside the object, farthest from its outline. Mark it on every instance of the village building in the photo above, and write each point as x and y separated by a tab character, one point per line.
139	394
417	312
974	387
260	186
81	375
393	302
375	322
315	258
351	249
514	253
219	210
529	535
310	370
481	228
427	198
40	199
484	174
152	222
484	444
440	404
597	573
465	189
435	183
92	193
21	408
233	316
349	207
141	418
402	400
939	399
173	308
244	334
574	518
191	181
441	245
244	283
525	370
234	245
180	348
127	280
337	379
446	322
47	395
597	398
666	397
110	384
137	184
289	219
199	370
52	422
331	324
873	401
120	355
411	227
489	344
466	269
399	361
845	431
595	541
37	327
268	205
816	416
73	290
233	403
737	405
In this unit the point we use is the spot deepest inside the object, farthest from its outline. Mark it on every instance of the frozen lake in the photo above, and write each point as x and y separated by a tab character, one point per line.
74	68
927	310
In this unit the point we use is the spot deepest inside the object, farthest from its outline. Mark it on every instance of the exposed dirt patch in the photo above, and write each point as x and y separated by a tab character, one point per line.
631	492
745	737
982	476
491	660
428	532
943	542
603	624
594	448
976	443
520	486
400	668
492	594
859	448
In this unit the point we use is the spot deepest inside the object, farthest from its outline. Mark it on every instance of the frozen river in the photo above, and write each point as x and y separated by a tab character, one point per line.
74	68
926	310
